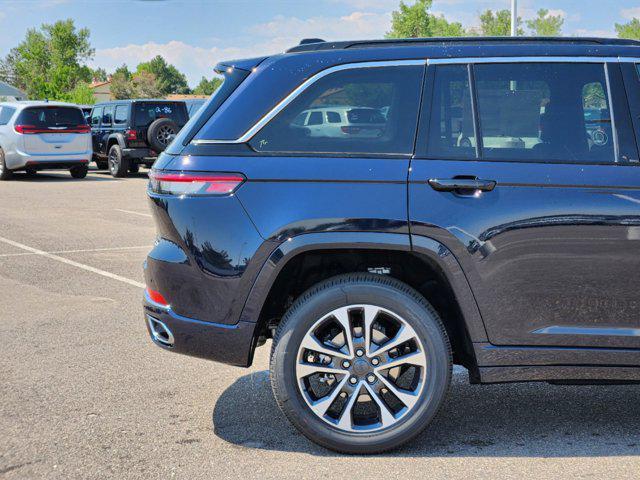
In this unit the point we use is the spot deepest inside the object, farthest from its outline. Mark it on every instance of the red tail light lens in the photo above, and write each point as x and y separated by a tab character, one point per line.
181	183
350	130
32	129
157	297
131	134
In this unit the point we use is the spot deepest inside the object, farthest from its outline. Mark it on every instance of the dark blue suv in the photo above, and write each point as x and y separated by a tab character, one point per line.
385	209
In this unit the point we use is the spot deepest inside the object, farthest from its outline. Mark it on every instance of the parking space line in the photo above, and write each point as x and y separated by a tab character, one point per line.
108	249
82	266
134	213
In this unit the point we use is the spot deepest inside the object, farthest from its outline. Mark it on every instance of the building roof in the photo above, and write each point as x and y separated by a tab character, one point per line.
10	91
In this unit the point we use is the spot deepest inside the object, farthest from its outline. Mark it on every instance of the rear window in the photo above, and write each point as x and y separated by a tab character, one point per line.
146	113
51	117
362	93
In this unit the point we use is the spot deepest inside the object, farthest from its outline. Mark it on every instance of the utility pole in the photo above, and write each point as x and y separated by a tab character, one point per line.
514	17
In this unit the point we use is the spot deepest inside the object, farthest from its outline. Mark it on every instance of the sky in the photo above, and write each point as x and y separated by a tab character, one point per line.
194	35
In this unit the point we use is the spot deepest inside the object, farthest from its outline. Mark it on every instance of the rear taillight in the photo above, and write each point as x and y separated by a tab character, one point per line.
157	297
181	183
350	130
131	134
31	129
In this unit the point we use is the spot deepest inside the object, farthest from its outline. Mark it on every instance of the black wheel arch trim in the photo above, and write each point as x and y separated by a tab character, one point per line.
119	137
434	250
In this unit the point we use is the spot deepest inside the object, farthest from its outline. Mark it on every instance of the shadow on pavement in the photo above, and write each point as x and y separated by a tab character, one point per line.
512	420
57	176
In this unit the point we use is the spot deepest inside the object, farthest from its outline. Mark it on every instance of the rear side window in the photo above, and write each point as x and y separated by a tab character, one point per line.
145	113
333	117
5	114
107	116
315	118
552	112
380	104
43	117
451	132
96	114
120	116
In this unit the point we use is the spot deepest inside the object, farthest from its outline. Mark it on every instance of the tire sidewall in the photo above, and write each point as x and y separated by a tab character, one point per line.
152	133
403	303
5	173
120	169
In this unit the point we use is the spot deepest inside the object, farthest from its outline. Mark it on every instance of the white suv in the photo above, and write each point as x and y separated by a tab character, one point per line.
43	135
342	122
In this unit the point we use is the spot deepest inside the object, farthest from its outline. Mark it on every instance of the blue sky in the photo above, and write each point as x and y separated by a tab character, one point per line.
195	34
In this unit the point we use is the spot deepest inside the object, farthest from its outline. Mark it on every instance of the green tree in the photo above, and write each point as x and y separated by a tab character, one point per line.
415	21
169	79
498	24
545	25
207	87
81	94
630	29
121	84
99	75
50	61
145	85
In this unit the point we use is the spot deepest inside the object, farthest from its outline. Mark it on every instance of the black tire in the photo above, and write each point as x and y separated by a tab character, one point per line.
31	172
158	133
79	171
353	289
134	168
5	173
118	165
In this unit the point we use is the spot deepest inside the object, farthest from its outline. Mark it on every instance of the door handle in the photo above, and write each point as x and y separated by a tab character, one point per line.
454	184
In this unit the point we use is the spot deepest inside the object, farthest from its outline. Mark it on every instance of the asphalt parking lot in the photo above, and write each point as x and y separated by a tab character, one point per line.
85	394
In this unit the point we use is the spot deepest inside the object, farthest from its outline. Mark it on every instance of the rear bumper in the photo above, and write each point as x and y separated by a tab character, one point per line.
230	344
21	160
139	154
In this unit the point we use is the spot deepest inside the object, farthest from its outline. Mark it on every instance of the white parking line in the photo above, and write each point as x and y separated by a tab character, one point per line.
133	213
72	263
108	249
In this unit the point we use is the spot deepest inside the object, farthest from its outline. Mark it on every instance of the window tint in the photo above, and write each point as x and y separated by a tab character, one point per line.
315	118
107	116
555	112
53	116
380	104
333	117
451	132
96	114
5	114
120	116
145	113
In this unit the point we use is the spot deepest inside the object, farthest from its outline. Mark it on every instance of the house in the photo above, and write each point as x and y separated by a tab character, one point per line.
102	91
8	92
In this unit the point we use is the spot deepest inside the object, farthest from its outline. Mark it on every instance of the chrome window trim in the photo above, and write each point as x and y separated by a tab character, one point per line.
614	131
536	59
248	135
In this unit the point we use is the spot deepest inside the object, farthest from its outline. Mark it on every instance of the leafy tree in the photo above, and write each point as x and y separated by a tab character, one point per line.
146	85
169	79
415	21
121	84
630	29
498	24
545	25
207	87
50	61
81	94
99	75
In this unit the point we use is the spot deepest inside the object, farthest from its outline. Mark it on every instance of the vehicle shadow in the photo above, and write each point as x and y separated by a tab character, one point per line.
107	174
59	176
511	420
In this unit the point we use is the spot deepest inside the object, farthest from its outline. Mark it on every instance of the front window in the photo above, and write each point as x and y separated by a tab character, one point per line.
361	110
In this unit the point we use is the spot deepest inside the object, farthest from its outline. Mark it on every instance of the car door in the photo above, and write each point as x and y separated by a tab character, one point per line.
106	127
538	199
96	116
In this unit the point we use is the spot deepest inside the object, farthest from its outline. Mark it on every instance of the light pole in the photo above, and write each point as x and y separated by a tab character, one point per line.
514	17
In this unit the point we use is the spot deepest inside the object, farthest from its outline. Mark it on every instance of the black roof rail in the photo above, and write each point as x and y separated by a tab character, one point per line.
307	41
393	42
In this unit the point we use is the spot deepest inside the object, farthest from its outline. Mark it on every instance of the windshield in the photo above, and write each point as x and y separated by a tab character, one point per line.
147	112
47	117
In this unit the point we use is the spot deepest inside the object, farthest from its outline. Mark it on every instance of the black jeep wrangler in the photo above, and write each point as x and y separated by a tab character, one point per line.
127	133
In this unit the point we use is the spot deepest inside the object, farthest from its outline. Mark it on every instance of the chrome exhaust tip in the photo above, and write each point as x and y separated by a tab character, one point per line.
160	333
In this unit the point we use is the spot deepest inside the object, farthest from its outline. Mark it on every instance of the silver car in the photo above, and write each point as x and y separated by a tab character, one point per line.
43	135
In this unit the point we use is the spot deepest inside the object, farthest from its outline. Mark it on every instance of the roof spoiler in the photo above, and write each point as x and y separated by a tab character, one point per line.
245	64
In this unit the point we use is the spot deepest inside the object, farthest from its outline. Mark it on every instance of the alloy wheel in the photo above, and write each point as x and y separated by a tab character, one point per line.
164	133
361	368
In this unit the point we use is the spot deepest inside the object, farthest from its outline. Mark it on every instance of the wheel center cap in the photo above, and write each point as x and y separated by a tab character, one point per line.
361	367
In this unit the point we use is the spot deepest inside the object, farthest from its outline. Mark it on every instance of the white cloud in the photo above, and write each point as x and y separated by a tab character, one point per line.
630	13
266	38
583	32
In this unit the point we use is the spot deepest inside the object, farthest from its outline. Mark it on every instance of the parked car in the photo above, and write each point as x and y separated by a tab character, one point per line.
193	105
128	133
376	263
341	121
43	135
